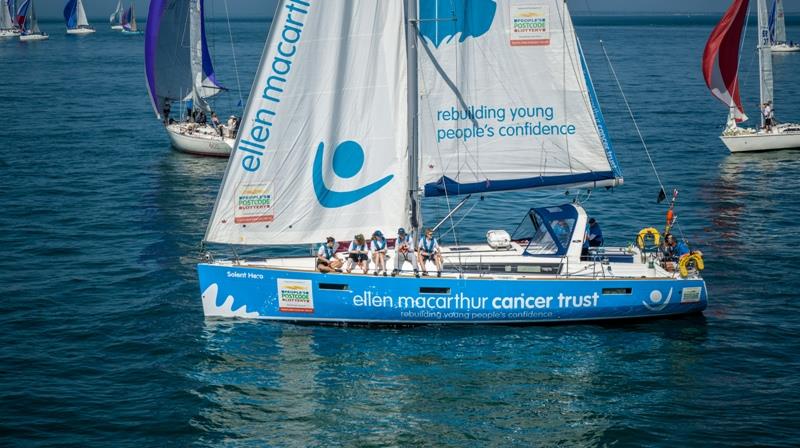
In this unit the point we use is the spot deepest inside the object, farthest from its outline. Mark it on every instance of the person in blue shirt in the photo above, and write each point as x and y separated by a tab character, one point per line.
326	257
428	250
672	251
378	248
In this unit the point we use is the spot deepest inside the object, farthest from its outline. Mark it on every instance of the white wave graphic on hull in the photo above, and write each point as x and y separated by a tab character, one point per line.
210	307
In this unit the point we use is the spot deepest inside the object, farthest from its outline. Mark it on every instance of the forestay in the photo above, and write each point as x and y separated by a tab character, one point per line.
323	143
506	101
170	37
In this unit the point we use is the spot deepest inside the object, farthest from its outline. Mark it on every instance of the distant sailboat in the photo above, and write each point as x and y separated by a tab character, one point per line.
721	72
75	17
28	23
179	70
116	18
129	21
7	28
777	30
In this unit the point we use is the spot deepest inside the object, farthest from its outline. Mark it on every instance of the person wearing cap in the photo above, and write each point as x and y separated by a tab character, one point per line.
326	257
378	247
594	235
404	251
358	254
428	250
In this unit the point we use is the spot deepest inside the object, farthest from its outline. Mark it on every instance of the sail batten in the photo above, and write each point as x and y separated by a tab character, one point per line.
507	102
323	143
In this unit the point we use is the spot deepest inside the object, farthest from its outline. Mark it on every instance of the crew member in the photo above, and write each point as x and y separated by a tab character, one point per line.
326	257
428	249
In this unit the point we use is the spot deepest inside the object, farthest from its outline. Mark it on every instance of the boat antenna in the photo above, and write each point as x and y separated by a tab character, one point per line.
233	52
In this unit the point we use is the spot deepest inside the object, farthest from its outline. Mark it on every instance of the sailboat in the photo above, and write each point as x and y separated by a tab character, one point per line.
116	17
721	73
179	70
75	17
7	28
129	21
360	109
28	23
777	30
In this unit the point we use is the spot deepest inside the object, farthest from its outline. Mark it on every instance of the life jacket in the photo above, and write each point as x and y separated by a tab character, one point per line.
425	247
328	251
380	244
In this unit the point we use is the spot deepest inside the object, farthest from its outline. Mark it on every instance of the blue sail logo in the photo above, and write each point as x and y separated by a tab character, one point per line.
348	160
443	20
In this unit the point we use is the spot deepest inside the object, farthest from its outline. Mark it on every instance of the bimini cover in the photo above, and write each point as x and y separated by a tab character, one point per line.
552	230
176	53
506	101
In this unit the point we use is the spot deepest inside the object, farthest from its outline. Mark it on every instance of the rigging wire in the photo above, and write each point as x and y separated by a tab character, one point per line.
633	118
233	52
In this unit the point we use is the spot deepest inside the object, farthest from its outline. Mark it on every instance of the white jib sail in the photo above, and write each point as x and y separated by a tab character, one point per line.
5	16
117	13
780	22
201	89
504	98
82	21
323	142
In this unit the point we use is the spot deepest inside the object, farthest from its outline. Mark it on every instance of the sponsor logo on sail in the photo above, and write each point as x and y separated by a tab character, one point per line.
530	25
254	204
348	160
295	296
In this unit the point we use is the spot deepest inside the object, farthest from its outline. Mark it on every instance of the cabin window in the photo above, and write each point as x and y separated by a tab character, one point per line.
432	290
616	291
333	286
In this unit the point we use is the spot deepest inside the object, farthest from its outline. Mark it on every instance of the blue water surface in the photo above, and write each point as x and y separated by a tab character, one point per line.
102	336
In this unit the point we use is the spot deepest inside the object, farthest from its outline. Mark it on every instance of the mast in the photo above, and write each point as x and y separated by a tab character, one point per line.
412	19
764	57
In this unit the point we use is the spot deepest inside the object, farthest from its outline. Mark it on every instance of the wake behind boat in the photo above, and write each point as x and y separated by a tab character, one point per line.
721	72
179	71
75	18
506	105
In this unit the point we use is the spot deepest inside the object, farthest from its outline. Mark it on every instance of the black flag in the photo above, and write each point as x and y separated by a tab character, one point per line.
661	196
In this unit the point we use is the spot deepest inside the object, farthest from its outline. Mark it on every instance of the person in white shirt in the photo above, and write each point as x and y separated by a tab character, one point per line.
358	254
326	257
378	247
768	116
404	251
428	249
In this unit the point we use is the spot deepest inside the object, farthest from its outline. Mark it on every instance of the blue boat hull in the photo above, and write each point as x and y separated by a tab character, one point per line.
275	294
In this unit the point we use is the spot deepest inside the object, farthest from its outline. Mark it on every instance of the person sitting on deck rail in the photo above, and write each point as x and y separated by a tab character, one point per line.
358	254
378	247
326	257
428	249
404	251
672	250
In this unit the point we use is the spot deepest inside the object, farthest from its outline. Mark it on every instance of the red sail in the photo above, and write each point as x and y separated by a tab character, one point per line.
721	58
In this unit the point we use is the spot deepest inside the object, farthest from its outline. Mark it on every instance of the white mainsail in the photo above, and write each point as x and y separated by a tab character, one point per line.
323	143
505	99
780	22
115	17
5	16
764	55
81	14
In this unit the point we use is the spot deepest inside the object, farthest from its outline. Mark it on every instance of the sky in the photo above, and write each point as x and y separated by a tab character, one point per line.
265	8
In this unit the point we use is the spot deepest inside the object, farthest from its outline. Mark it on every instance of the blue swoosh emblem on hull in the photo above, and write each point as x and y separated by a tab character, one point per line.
334	199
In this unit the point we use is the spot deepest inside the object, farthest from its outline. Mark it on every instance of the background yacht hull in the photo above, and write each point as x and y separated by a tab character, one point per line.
275	294
80	31
32	37
761	142
200	144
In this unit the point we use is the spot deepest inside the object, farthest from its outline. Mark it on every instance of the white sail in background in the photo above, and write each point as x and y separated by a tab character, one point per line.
780	22
764	54
81	14
323	143
505	99
5	16
199	90
114	18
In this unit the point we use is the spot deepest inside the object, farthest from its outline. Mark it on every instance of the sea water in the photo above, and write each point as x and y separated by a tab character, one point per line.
102	336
